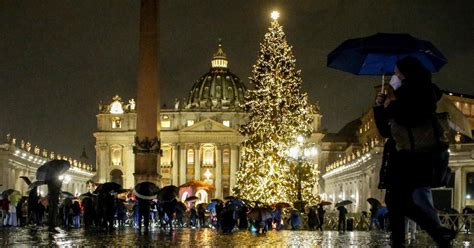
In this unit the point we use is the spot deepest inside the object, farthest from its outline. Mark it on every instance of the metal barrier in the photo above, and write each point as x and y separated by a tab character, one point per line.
457	222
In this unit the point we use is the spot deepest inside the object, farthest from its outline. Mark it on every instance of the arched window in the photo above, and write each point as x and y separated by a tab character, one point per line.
190	156
116	155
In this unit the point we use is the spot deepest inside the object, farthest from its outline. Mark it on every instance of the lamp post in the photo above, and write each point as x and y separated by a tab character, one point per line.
300	152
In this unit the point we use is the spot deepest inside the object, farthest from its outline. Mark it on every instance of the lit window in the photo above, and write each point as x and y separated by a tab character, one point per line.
117	122
116	155
226	123
190	123
226	157
208	156
190	156
166	123
166	157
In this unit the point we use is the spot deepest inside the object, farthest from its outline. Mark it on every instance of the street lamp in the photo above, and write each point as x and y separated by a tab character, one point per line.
300	152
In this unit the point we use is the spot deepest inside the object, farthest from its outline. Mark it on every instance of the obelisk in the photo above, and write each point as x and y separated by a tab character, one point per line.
147	139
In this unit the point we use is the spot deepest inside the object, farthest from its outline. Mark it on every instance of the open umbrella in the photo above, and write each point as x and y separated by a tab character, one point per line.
217	200
86	195
36	184
52	169
108	187
191	198
283	205
260	214
180	207
378	54
325	203
146	190
237	202
7	192
66	194
343	203
168	193
374	202
26	179
229	197
211	205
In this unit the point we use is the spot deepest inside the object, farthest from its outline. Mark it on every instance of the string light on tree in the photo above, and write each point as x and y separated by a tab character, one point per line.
278	112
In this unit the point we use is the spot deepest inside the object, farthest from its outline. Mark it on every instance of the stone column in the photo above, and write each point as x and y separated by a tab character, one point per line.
175	165
197	162
218	171
147	140
458	191
234	161
182	164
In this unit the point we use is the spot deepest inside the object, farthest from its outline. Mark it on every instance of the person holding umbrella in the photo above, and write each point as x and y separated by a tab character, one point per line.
341	225
321	213
408	194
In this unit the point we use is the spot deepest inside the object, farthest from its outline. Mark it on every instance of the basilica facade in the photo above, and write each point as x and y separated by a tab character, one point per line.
200	138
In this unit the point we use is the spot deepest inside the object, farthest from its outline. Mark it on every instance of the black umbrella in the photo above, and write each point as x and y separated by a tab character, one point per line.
146	190
26	179
229	197
7	192
260	214
217	200
66	194
36	184
52	169
374	202
168	193
180	207
86	195
191	198
108	187
343	203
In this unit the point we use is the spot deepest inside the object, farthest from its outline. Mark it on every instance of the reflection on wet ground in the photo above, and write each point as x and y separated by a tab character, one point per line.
33	236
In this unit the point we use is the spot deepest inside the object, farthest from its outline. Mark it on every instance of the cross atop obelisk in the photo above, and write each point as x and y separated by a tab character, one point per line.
147	140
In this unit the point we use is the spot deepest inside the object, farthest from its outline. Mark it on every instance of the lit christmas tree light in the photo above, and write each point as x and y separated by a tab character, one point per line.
278	113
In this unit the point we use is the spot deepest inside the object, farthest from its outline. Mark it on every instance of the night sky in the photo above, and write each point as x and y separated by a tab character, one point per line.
59	59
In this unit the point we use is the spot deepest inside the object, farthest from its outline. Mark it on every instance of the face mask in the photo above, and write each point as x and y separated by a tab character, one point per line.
395	82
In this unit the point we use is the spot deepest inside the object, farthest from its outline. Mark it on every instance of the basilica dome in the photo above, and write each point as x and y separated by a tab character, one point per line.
217	90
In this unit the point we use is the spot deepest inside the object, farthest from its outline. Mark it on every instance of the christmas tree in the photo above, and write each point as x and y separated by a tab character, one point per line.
278	113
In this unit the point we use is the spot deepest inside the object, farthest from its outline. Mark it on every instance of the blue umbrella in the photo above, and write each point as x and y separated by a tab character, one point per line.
211	205
237	202
378	54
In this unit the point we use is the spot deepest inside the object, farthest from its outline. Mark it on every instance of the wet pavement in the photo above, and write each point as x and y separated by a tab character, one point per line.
128	237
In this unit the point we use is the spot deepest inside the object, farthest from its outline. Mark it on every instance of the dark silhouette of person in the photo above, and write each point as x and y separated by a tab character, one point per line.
277	216
321	213
54	189
193	217
227	220
295	220
243	221
89	211
373	217
312	219
341	225
121	213
404	174
201	211
33	202
144	207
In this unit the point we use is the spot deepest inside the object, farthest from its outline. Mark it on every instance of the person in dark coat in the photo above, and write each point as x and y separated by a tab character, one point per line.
54	189
341	225
33	199
89	211
312	219
295	220
321	213
144	207
406	176
243	222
